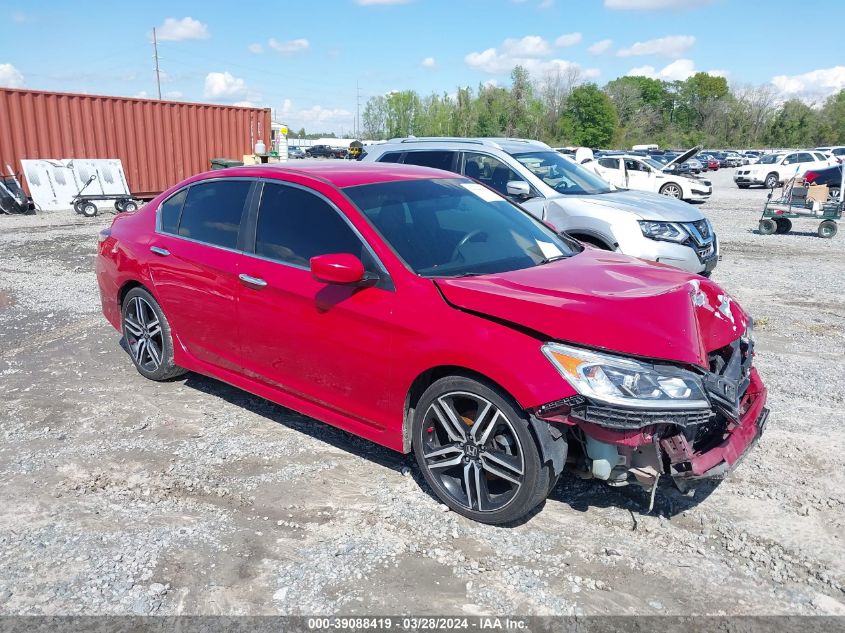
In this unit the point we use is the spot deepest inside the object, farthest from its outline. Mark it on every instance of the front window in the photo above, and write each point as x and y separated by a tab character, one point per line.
561	174
653	164
489	171
453	228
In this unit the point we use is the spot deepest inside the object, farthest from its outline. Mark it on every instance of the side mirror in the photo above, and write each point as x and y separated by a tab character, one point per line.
518	189
338	268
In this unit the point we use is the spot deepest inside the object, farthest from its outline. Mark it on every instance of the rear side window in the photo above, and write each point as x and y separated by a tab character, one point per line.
169	211
213	211
436	159
390	157
609	163
295	225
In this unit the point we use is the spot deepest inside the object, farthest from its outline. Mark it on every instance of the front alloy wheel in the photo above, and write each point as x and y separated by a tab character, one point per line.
476	452
672	191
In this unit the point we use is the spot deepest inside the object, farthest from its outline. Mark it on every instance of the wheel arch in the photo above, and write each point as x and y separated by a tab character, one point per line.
126	287
592	238
428	377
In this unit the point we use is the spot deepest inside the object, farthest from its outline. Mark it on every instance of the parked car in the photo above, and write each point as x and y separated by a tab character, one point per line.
571	198
324	151
837	151
710	162
646	174
749	157
732	159
296	152
774	169
830	176
425	312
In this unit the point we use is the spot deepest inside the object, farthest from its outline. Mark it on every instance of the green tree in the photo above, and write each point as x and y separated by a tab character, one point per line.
833	114
589	118
795	125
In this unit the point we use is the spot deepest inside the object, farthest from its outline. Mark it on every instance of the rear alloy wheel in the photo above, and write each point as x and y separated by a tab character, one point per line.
147	335
672	190
784	225
767	226
833	195
827	229
772	181
476	451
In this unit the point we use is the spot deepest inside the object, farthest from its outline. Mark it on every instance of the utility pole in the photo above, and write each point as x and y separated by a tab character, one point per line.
357	110
158	72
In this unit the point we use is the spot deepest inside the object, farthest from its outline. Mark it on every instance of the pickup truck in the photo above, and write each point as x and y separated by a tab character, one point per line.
324	151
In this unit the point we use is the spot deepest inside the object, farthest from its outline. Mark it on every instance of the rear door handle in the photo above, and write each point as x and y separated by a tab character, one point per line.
158	250
255	282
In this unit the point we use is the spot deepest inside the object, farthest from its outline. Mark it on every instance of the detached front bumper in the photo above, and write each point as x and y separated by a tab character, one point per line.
685	445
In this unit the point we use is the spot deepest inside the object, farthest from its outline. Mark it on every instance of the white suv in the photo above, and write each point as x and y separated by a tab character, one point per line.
563	194
774	169
642	173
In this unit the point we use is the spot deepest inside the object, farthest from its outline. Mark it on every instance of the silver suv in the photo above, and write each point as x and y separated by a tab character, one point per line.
557	190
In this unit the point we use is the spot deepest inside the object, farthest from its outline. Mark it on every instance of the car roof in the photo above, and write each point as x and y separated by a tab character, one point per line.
507	145
339	173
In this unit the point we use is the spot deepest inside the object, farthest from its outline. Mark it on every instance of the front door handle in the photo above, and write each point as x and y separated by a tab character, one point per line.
255	282
158	250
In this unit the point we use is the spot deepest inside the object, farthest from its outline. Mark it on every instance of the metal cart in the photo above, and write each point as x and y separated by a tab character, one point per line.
84	203
793	204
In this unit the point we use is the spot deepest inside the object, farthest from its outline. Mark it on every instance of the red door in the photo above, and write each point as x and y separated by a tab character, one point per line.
329	344
194	267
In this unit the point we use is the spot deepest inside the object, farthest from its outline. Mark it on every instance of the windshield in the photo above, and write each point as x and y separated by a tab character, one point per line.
562	174
653	163
456	227
770	159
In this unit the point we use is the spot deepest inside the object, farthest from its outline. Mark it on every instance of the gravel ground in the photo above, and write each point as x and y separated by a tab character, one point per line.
123	496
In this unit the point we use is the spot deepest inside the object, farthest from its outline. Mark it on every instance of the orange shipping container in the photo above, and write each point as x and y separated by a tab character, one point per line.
159	142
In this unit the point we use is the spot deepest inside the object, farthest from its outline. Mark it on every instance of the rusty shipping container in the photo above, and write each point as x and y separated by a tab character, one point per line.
159	142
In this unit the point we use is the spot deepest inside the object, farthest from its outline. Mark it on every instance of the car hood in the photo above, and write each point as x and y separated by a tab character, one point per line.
611	302
647	206
682	158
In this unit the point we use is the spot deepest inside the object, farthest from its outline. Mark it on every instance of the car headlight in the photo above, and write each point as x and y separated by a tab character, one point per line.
626	382
668	231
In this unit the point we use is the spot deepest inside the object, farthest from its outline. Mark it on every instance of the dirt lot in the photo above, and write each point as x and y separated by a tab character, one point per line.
121	495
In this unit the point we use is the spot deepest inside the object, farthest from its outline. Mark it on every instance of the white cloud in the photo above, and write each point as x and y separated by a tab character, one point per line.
172	94
568	39
224	86
601	47
718	72
530	52
10	77
316	117
428	62
289	47
811	86
256	48
652	5
546	4
19	17
673	46
678	70
369	3
245	104
141	95
528	46
174	30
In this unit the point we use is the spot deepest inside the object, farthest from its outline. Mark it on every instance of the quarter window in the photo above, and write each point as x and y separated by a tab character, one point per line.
169	211
295	225
213	210
609	163
390	157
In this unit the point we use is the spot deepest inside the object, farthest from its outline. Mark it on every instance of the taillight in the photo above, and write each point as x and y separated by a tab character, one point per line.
810	176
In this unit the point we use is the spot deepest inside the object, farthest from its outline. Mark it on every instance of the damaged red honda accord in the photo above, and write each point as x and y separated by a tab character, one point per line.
426	313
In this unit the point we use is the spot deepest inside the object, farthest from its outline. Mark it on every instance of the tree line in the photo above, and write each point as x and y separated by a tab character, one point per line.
563	110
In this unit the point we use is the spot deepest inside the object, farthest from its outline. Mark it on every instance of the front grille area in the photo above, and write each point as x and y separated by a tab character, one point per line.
730	375
620	418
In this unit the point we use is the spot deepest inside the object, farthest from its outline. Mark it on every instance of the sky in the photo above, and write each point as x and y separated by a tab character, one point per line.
311	61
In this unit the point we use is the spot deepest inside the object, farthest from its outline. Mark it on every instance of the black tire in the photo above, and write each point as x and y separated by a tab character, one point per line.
77	206
827	229
151	349
592	241
772	181
784	225
118	206
129	206
767	226
88	209
466	461
743	186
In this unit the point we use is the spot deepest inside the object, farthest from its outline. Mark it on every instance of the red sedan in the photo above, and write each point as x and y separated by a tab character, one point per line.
423	311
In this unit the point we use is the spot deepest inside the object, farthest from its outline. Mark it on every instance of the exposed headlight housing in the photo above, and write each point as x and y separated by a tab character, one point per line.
666	231
626	382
